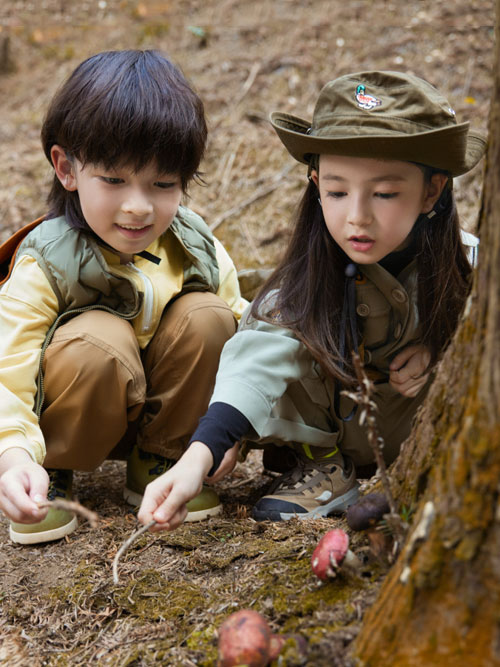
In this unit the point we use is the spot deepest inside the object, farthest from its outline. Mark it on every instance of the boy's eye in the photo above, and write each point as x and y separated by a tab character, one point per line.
164	185
111	180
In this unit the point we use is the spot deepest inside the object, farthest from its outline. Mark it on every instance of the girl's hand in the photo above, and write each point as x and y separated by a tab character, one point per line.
165	499
406	370
227	464
23	484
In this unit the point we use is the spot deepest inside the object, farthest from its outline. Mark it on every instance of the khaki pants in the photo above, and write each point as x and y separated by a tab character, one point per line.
102	393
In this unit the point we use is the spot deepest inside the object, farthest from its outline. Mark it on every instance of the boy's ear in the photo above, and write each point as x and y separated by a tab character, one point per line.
434	190
63	167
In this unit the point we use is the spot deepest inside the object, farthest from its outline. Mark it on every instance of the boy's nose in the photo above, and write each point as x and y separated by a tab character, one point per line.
137	204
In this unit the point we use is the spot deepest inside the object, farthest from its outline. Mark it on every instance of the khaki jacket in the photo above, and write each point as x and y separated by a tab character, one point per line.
270	376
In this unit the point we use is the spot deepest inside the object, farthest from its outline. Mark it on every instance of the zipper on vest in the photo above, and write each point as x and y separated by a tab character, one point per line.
148	298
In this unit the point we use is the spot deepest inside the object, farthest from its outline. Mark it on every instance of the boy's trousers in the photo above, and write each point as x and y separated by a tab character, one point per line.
103	393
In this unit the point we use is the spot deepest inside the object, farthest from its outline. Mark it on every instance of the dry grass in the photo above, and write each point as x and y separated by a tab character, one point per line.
58	603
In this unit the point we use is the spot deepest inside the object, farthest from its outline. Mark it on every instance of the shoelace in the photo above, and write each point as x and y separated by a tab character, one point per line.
289	479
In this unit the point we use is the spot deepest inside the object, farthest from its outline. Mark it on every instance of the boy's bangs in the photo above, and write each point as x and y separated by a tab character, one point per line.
130	107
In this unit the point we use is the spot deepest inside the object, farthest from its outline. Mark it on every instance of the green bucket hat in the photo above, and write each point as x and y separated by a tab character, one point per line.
389	115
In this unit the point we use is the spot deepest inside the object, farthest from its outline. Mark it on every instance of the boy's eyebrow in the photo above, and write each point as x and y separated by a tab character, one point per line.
375	179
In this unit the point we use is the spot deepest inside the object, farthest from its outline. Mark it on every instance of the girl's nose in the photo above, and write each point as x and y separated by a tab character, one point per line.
137	204
359	211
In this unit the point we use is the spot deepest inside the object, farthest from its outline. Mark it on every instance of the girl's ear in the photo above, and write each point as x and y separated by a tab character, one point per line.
433	191
63	167
314	177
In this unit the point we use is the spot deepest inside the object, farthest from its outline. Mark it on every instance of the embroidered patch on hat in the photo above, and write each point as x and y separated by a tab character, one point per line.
365	101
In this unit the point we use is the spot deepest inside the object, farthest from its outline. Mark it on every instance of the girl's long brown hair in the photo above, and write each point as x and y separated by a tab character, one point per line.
309	283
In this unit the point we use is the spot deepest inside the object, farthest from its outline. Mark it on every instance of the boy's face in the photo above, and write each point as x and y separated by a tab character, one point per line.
369	205
126	209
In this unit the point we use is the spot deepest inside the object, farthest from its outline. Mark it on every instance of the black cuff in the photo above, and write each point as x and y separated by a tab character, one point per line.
220	427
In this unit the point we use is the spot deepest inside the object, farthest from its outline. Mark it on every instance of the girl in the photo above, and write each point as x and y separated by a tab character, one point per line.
376	263
119	302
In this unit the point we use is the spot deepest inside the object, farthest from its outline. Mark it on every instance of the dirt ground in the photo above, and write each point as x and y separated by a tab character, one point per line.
58	603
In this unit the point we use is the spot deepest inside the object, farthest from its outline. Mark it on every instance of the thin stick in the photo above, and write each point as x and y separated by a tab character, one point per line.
248	83
71	506
368	417
263	192
126	545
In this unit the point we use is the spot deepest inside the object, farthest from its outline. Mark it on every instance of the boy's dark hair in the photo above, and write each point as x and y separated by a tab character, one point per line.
124	108
310	281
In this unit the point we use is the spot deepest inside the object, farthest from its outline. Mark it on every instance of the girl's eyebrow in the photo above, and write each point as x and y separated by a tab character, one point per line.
375	179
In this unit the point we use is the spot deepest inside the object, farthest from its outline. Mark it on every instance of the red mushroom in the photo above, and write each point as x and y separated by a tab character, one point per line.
331	552
244	639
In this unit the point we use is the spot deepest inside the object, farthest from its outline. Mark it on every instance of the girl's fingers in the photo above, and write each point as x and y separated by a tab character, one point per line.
176	520
173	504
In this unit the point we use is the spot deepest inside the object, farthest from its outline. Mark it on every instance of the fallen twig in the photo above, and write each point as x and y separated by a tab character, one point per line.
71	506
368	417
262	192
126	545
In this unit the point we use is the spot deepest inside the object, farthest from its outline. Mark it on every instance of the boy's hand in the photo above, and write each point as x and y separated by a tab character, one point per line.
165	499
23	483
406	370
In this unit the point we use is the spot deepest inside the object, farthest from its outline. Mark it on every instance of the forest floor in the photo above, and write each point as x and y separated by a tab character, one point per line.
58	603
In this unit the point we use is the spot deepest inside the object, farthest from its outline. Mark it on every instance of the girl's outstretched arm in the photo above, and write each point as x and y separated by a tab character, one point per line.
165	499
408	372
23	483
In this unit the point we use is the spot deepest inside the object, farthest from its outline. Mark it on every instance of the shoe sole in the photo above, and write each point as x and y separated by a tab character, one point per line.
338	505
133	498
43	536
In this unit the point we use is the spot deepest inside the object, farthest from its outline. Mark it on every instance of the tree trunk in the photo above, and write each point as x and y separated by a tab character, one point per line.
440	603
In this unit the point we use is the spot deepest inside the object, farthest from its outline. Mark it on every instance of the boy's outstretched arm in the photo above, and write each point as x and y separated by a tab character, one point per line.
165	499
23	483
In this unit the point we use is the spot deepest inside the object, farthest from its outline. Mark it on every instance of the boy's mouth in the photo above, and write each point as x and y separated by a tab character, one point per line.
133	227
133	231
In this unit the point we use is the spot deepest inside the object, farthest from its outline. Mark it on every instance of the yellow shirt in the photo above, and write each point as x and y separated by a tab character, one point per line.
28	307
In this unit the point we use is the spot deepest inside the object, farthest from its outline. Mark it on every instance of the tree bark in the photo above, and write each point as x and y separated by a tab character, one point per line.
440	603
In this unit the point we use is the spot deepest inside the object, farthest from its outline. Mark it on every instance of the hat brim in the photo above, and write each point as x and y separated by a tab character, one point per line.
441	149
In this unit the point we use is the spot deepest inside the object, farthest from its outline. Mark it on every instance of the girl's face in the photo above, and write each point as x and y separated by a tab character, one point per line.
126	209
369	205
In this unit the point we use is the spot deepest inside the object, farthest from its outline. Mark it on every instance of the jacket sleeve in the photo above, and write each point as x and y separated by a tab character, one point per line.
256	367
229	288
28	307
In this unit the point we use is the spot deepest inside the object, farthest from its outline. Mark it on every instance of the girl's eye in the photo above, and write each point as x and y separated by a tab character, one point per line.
386	195
111	181
336	195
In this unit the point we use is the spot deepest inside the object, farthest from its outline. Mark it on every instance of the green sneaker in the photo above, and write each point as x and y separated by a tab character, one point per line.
57	523
144	467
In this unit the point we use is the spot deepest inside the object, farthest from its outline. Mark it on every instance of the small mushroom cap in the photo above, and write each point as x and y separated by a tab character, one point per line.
367	512
329	553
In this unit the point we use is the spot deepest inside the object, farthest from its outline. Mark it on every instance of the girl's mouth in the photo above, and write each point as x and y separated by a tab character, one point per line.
361	243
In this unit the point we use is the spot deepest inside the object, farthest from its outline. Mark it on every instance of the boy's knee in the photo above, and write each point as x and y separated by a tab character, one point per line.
201	318
94	342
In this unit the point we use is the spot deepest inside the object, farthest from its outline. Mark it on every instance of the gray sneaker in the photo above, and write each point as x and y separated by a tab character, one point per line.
311	490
